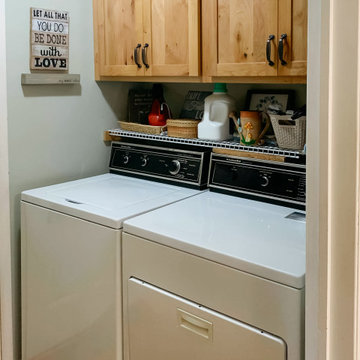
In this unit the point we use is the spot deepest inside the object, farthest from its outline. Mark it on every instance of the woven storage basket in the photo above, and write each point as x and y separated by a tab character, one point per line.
147	129
182	128
290	134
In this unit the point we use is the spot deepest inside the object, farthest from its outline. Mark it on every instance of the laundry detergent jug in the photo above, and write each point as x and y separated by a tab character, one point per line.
215	124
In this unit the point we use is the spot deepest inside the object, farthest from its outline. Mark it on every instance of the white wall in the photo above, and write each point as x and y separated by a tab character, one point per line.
55	132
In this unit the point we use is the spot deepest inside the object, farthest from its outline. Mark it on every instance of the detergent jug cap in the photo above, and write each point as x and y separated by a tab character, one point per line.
220	88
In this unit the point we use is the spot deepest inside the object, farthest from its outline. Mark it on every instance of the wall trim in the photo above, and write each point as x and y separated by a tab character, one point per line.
332	282
6	320
357	299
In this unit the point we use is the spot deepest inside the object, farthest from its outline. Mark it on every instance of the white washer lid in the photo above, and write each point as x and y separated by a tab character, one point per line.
106	199
247	235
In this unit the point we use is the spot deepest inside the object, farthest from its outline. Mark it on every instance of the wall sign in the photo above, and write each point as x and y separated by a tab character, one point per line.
49	41
193	107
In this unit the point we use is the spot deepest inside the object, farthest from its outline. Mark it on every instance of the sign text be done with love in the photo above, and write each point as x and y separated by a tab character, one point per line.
49	40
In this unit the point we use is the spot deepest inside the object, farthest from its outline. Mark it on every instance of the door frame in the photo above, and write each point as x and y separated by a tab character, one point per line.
6	313
332	262
332	281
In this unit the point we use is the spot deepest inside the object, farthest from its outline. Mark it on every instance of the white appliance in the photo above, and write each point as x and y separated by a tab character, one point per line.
71	249
217	276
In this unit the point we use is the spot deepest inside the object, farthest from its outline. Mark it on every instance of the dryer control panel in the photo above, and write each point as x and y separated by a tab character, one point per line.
183	167
269	181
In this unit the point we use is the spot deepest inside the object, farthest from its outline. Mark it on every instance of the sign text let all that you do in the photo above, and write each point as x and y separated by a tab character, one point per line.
49	40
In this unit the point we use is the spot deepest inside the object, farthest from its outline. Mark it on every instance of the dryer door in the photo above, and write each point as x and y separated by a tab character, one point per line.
164	326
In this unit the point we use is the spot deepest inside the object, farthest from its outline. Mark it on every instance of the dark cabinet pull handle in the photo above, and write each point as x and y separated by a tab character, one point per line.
136	50
281	49
144	55
268	50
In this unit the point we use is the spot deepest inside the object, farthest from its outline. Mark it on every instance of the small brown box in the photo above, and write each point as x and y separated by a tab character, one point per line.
182	128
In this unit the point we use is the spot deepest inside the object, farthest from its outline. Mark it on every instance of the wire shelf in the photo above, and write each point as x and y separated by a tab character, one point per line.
231	145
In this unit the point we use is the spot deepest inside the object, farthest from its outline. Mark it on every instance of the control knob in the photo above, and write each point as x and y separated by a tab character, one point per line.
125	159
144	161
264	181
174	167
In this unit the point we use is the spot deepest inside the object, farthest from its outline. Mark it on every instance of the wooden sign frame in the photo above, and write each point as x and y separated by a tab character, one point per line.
49	40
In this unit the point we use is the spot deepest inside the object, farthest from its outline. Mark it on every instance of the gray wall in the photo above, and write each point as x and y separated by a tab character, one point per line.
55	132
175	93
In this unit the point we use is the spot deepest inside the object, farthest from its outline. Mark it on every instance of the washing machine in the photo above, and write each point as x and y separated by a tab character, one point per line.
71	236
220	275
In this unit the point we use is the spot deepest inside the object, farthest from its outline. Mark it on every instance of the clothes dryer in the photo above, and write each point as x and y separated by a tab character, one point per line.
218	276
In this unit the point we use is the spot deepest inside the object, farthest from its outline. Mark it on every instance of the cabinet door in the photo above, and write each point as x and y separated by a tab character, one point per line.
293	23
118	26
172	30
236	46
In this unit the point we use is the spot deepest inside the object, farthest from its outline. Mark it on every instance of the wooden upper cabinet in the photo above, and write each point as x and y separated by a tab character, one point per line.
239	38
164	35
293	23
118	29
237	33
172	31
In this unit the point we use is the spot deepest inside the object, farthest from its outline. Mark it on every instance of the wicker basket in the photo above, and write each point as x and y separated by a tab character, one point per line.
147	129
182	128
290	134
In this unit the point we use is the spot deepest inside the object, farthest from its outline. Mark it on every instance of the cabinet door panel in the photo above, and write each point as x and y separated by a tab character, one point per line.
119	29
240	38
293	22
171	28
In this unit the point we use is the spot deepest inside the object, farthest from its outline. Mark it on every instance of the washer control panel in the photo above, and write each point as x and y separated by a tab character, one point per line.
268	180
172	165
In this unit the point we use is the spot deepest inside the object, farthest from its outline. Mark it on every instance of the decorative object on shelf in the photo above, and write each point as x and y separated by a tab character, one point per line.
290	133
250	131
215	123
182	128
160	110
139	105
49	49
146	129
261	100
49	40
193	107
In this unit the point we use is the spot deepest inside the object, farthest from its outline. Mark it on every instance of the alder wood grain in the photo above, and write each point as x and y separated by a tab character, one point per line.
118	29
233	40
235	33
237	47
172	30
293	22
199	79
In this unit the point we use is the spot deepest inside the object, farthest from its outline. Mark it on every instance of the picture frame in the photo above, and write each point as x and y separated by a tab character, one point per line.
259	100
139	105
193	107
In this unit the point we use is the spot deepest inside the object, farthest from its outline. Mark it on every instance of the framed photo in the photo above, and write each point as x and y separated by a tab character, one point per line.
260	100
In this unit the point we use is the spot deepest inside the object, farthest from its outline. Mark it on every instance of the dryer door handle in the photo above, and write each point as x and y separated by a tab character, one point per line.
195	324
